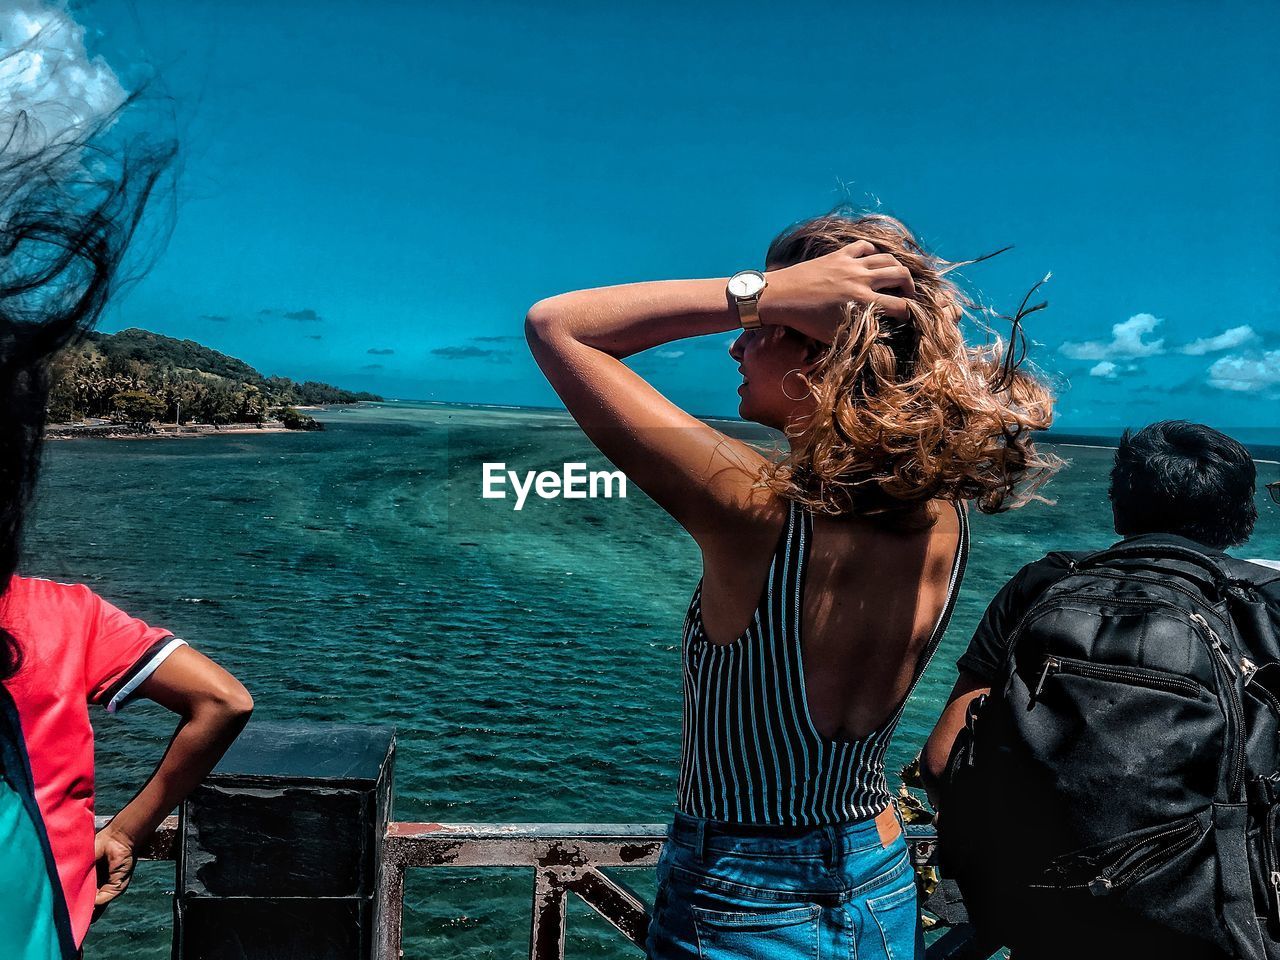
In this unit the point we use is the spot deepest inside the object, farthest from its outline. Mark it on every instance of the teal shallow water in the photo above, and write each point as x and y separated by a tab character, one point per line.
529	660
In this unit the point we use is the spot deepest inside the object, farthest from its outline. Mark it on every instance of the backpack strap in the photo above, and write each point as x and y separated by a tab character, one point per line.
1214	566
1251	574
1069	558
1224	572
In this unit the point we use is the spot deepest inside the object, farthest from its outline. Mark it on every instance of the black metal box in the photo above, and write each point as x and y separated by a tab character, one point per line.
280	849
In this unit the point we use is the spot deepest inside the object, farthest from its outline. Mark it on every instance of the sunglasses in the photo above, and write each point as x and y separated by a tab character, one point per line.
1273	488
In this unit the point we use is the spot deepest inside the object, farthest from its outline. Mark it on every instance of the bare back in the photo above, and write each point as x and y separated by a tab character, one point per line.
871	599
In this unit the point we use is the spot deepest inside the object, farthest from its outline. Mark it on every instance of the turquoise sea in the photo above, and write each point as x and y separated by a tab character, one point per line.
528	659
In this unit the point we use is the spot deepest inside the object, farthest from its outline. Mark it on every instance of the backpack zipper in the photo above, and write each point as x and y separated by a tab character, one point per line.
1218	646
1269	854
1168	584
1118	875
1275	891
1134	676
1235	709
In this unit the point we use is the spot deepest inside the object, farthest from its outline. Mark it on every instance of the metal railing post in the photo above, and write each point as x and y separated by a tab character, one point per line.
546	938
388	922
615	902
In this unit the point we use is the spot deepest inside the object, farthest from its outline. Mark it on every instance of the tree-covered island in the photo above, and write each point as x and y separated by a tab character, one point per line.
136	379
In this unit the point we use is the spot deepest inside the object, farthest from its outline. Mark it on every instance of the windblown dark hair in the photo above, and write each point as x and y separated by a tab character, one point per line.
1186	479
70	204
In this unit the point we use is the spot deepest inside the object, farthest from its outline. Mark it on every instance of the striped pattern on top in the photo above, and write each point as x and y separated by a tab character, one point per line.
750	752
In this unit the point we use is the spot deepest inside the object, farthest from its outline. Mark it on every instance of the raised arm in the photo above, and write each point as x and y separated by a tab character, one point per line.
693	471
213	707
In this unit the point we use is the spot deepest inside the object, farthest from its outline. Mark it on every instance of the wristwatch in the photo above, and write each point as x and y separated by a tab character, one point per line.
744	290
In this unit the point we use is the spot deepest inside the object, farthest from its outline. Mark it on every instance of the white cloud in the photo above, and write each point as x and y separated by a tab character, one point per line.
1246	374
46	74
1109	370
1126	341
1227	340
670	354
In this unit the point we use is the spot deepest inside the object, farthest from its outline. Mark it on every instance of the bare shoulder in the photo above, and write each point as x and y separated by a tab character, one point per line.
727	478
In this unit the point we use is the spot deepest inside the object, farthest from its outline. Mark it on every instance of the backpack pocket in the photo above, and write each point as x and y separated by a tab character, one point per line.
1131	676
1262	708
1128	746
1263	684
1112	865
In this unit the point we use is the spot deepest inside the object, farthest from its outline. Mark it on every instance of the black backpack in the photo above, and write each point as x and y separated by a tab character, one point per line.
1117	792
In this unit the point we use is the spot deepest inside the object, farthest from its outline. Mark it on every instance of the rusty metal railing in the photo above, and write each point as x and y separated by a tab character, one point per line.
565	858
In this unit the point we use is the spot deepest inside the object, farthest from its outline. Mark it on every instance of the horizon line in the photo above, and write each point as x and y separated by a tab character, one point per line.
1064	431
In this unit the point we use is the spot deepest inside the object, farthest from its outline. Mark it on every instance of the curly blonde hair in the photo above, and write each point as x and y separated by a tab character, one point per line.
905	410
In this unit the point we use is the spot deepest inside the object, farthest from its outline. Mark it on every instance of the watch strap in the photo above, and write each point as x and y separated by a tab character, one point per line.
748	312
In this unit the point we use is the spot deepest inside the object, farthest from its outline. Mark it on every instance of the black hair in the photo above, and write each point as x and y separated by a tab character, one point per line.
70	204
1186	479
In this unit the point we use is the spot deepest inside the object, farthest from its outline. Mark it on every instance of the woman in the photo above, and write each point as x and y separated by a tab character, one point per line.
828	575
69	205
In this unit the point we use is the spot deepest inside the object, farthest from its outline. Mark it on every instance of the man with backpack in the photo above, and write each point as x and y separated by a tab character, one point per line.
1107	771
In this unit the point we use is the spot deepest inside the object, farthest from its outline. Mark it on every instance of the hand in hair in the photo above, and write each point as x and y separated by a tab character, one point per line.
813	296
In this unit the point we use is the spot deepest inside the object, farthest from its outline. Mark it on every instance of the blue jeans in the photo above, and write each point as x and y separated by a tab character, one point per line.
734	892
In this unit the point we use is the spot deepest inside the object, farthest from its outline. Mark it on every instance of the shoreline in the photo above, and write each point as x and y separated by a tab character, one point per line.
117	431
106	430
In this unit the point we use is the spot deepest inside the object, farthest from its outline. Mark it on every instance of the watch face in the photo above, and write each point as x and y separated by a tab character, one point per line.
748	283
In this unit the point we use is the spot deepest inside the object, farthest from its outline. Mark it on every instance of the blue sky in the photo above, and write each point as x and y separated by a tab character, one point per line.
373	194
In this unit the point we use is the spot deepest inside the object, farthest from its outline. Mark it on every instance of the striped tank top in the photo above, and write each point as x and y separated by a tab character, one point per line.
750	752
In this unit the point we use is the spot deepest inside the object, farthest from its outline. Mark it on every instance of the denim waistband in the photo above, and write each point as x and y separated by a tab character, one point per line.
698	834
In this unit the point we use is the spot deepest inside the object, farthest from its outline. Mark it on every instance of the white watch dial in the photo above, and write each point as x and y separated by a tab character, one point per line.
746	284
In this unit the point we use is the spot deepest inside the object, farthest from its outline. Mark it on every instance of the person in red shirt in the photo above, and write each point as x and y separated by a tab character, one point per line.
79	650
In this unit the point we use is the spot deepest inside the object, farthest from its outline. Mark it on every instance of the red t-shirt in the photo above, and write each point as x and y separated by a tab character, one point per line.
77	649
